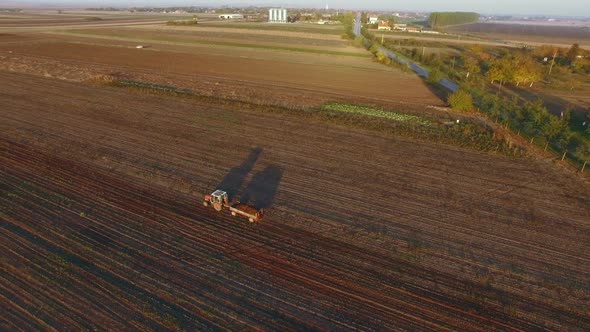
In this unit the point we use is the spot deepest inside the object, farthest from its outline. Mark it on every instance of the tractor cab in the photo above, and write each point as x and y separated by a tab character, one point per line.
218	199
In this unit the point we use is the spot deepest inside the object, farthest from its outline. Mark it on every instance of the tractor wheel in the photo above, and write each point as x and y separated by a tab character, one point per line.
205	203
217	206
233	214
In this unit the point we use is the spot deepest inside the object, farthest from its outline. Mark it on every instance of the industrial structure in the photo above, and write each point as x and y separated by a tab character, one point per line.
277	15
231	16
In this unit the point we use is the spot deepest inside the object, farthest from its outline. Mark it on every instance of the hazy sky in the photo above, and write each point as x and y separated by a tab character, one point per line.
530	7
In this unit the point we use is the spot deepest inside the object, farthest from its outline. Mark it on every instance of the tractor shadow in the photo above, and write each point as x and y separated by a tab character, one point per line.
234	179
262	189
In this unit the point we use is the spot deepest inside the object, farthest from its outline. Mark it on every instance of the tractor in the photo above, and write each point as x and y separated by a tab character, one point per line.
218	199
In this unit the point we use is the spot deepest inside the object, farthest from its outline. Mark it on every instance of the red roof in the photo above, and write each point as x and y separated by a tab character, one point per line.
384	24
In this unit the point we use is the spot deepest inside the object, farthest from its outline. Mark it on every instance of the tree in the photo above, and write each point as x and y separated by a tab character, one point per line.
495	73
535	74
572	53
582	66
564	142
545	51
383	58
519	70
435	75
461	101
566	116
525	69
583	153
570	81
501	70
471	65
391	21
551	129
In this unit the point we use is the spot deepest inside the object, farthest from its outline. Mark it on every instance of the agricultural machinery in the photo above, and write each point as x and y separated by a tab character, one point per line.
219	200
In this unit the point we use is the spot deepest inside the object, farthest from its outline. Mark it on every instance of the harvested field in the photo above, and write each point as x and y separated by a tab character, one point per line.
221	35
530	34
255	76
44	22
78	18
249	32
296	42
439	40
297	27
103	227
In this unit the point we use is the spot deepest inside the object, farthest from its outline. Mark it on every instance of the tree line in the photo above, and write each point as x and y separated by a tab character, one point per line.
476	68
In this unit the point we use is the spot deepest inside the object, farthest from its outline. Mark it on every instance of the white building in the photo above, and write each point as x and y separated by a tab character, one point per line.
231	16
373	19
277	15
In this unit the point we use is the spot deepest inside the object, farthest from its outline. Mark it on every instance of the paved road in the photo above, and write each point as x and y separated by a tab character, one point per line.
357	24
452	86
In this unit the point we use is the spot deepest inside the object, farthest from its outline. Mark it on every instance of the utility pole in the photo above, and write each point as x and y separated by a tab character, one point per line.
552	62
382	36
423	49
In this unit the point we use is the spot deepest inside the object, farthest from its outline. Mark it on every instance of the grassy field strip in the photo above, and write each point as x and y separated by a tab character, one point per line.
207	42
254	37
264	32
310	29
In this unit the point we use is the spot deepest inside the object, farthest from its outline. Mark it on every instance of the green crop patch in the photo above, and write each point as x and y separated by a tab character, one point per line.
375	112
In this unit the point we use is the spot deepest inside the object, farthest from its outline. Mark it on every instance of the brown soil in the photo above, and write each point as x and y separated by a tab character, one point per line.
563	36
249	33
302	83
103	226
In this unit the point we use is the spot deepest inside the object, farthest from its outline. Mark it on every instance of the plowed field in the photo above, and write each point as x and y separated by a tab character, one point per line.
102	224
281	77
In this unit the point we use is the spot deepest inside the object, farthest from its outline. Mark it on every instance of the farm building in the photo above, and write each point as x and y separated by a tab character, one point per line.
400	26
277	15
231	16
383	26
372	19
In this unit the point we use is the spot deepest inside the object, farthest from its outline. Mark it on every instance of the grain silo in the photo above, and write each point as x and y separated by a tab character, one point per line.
277	15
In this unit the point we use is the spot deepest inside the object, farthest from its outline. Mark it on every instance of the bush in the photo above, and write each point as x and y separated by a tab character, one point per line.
435	76
103	79
182	23
383	58
374	49
461	101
